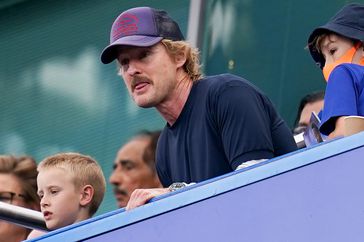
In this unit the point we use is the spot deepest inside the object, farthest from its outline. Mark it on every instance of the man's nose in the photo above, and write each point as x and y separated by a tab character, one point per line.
115	178
133	68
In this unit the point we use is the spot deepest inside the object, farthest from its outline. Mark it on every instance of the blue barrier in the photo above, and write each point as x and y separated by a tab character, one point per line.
309	195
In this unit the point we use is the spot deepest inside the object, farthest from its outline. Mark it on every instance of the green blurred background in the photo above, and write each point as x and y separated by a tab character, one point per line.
55	95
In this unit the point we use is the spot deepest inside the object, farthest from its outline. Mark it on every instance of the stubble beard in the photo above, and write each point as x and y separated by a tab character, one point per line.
148	100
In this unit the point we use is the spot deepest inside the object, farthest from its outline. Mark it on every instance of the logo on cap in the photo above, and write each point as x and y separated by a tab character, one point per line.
126	25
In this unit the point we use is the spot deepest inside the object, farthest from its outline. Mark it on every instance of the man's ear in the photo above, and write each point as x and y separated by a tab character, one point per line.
181	58
86	195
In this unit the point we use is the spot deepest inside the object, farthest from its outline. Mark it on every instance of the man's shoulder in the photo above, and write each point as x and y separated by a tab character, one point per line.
229	87
223	80
223	77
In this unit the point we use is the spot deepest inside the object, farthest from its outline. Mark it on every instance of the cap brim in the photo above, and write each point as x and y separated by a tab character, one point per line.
110	53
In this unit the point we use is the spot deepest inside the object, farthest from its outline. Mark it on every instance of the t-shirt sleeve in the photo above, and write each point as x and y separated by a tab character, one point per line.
243	123
340	98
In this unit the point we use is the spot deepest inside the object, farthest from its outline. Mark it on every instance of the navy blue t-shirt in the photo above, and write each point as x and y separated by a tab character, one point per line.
225	122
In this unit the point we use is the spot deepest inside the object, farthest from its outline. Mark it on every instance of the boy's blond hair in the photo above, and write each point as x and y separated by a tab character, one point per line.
84	170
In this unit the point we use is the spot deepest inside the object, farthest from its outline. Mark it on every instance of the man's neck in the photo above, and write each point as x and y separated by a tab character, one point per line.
172	108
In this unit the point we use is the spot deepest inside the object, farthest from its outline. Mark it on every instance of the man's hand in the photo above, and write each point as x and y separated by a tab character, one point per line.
141	196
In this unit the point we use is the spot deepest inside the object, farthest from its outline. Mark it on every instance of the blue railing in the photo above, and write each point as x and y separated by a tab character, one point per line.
314	194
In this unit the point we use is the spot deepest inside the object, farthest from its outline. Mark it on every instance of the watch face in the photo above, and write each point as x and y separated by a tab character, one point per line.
177	185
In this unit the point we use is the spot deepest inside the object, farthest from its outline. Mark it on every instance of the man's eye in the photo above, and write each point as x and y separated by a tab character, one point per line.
144	54
128	166
124	61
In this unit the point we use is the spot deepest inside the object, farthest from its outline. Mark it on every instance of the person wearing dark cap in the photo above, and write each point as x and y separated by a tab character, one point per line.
337	48
214	124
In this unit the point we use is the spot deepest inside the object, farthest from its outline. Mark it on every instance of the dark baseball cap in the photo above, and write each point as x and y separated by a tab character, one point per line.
143	27
348	22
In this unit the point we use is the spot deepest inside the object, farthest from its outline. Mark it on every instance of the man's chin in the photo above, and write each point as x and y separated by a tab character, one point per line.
144	102
122	202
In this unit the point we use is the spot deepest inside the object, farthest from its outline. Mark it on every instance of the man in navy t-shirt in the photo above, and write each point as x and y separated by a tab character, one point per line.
214	124
225	122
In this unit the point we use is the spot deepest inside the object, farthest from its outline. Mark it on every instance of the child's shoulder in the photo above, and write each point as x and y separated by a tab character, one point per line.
347	71
349	68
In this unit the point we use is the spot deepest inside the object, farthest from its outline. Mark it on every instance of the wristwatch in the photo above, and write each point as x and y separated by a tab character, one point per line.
177	185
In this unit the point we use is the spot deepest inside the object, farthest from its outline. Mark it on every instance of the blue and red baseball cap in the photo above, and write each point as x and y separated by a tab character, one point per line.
141	26
348	22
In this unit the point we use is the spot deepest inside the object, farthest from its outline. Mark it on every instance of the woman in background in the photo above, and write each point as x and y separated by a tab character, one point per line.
18	186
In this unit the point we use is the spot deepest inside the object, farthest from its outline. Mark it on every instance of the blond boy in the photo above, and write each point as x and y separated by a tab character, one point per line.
71	187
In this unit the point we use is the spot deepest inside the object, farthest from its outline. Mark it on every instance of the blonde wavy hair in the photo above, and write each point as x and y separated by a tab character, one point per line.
192	66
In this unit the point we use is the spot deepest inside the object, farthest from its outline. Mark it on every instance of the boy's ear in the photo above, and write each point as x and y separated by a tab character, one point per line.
181	58
86	195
